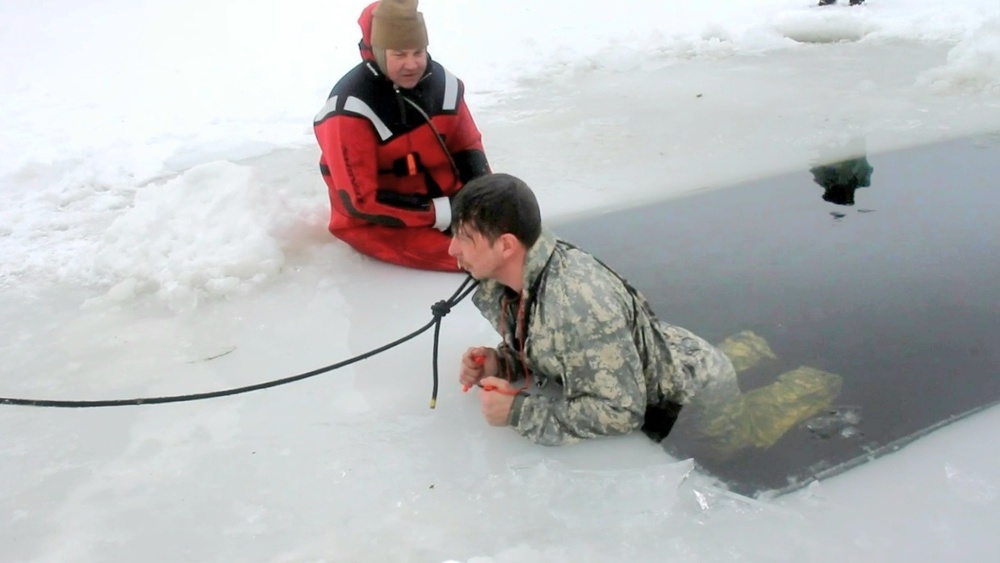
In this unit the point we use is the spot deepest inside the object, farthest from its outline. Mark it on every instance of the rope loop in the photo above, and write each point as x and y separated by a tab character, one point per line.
440	309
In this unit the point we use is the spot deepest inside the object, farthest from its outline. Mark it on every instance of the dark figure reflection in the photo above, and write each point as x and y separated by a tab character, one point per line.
841	179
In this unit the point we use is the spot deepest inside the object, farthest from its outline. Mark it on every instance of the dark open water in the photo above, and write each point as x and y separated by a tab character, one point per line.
899	293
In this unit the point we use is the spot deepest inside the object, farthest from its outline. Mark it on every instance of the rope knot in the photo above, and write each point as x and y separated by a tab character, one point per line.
440	309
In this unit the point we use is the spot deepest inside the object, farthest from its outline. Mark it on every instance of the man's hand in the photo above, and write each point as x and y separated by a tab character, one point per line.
496	400
477	363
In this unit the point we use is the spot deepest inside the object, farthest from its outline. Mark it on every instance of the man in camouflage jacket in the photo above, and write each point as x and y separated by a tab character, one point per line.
583	355
597	354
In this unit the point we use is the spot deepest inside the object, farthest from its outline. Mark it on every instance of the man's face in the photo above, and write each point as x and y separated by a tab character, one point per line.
406	66
474	253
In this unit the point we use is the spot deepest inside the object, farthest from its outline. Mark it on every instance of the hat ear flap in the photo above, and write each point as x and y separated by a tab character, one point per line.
380	60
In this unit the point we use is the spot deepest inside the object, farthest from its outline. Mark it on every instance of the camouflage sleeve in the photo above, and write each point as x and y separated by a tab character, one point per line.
588	346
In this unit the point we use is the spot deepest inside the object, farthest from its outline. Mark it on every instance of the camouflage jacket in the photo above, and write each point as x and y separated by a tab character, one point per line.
594	351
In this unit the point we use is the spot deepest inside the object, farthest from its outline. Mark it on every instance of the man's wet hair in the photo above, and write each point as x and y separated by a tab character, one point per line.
495	204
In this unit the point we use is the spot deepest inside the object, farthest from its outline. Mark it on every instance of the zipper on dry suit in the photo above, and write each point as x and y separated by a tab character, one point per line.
401	102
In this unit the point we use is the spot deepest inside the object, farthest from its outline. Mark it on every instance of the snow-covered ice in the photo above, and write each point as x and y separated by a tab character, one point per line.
162	231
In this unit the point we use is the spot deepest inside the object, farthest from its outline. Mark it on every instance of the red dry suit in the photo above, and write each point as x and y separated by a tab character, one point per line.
383	163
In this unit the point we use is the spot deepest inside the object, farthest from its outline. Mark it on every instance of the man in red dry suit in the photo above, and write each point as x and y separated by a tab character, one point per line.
397	141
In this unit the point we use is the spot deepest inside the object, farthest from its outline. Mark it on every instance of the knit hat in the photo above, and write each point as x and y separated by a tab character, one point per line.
396	24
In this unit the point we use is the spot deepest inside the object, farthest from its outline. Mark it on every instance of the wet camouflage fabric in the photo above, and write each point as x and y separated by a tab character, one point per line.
759	418
595	352
746	349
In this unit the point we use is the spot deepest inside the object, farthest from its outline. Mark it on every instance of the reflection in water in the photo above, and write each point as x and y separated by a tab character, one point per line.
840	179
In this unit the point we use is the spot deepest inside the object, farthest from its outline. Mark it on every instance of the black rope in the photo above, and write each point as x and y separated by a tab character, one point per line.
439	310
